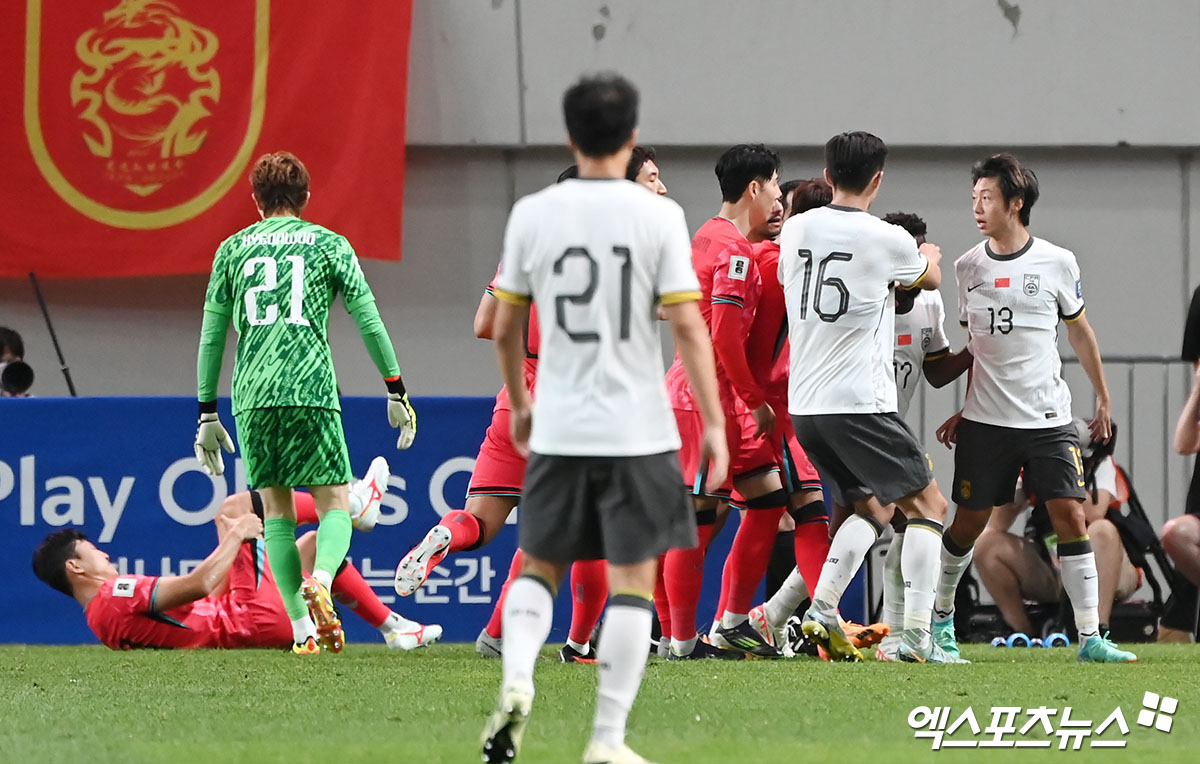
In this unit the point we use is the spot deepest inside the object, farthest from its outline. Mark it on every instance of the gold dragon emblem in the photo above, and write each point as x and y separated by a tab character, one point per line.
147	76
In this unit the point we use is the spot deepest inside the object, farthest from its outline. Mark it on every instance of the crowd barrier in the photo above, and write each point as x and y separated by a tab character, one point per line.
122	471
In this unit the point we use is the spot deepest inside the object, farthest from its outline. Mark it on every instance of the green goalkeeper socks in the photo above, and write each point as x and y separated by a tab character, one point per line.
279	533
333	541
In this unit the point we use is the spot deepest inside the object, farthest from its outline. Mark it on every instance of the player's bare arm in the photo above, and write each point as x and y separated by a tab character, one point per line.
1187	429
1083	340
485	317
695	350
510	349
208	576
932	278
943	370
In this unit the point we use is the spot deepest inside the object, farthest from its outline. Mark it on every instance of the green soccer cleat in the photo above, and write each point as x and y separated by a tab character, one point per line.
501	739
931	653
830	637
944	636
1098	649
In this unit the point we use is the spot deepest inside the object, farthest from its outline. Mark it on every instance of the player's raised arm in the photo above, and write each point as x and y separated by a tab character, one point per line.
210	575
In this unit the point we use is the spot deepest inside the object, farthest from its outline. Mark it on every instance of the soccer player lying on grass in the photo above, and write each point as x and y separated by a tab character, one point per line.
228	601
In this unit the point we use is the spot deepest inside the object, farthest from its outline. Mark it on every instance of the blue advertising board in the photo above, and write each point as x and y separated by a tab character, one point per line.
122	471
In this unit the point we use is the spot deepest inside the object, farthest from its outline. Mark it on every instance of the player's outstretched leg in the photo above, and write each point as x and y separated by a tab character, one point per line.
820	624
460	530
366	495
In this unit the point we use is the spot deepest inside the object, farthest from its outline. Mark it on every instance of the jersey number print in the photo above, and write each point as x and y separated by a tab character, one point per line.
270	281
589	292
833	282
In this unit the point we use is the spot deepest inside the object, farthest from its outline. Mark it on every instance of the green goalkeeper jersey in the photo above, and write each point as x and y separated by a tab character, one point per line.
277	280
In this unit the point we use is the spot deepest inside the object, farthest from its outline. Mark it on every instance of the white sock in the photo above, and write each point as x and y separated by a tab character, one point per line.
581	649
785	601
679	646
324	578
303	628
954	564
1079	579
729	620
893	587
621	658
528	612
850	545
918	562
396	622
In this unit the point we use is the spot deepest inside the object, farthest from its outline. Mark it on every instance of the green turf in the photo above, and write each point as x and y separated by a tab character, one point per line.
88	704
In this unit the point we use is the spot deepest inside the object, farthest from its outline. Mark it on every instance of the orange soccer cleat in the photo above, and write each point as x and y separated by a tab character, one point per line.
320	607
863	637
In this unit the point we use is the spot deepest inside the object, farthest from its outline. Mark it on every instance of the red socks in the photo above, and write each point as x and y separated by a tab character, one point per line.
466	530
748	558
494	625
683	576
306	509
812	548
589	594
353	591
661	604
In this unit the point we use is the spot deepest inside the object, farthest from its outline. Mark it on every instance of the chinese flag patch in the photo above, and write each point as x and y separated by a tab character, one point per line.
904	339
1002	283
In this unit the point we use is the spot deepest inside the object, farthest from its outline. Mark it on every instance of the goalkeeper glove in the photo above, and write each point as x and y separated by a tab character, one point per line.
210	438
401	415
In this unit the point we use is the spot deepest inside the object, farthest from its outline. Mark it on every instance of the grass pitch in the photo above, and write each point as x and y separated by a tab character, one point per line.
369	705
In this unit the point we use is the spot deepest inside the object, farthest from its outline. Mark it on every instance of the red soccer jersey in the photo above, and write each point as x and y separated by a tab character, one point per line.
532	341
729	282
123	617
767	347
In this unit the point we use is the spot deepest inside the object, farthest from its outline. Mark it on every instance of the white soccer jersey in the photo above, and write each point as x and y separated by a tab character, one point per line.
596	256
1011	305
837	265
920	336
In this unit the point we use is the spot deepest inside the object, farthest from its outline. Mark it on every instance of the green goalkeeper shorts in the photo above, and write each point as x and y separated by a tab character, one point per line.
293	446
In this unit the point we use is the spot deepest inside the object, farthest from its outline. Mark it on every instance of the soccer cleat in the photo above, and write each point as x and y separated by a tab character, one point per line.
569	654
403	634
888	649
308	647
320	607
746	638
366	495
932	653
506	726
774	637
1098	649
662	648
944	636
704	650
487	646
424	557
598	753
796	644
864	636
829	637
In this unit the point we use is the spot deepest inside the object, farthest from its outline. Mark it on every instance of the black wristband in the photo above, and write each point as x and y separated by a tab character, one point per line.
395	385
208	407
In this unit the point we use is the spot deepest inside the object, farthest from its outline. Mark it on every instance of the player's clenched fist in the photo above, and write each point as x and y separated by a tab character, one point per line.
403	417
210	438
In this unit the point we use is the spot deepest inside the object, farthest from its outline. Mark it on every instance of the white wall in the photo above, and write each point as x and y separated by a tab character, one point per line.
944	81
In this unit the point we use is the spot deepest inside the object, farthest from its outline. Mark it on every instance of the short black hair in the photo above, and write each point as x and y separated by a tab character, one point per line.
640	156
740	165
567	174
909	222
1016	181
50	558
12	342
852	159
601	112
810	194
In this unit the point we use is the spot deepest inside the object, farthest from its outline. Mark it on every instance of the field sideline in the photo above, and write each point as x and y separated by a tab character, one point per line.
371	705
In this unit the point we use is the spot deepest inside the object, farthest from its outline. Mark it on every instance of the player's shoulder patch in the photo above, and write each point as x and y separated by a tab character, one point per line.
739	265
124	587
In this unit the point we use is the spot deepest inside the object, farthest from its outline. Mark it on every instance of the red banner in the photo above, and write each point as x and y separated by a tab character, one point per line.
128	139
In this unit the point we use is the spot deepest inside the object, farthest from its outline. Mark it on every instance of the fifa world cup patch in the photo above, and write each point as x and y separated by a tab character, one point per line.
124	587
738	265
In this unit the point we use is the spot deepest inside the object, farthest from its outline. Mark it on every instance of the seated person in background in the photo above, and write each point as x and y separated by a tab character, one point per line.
16	377
1017	568
1181	535
228	601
